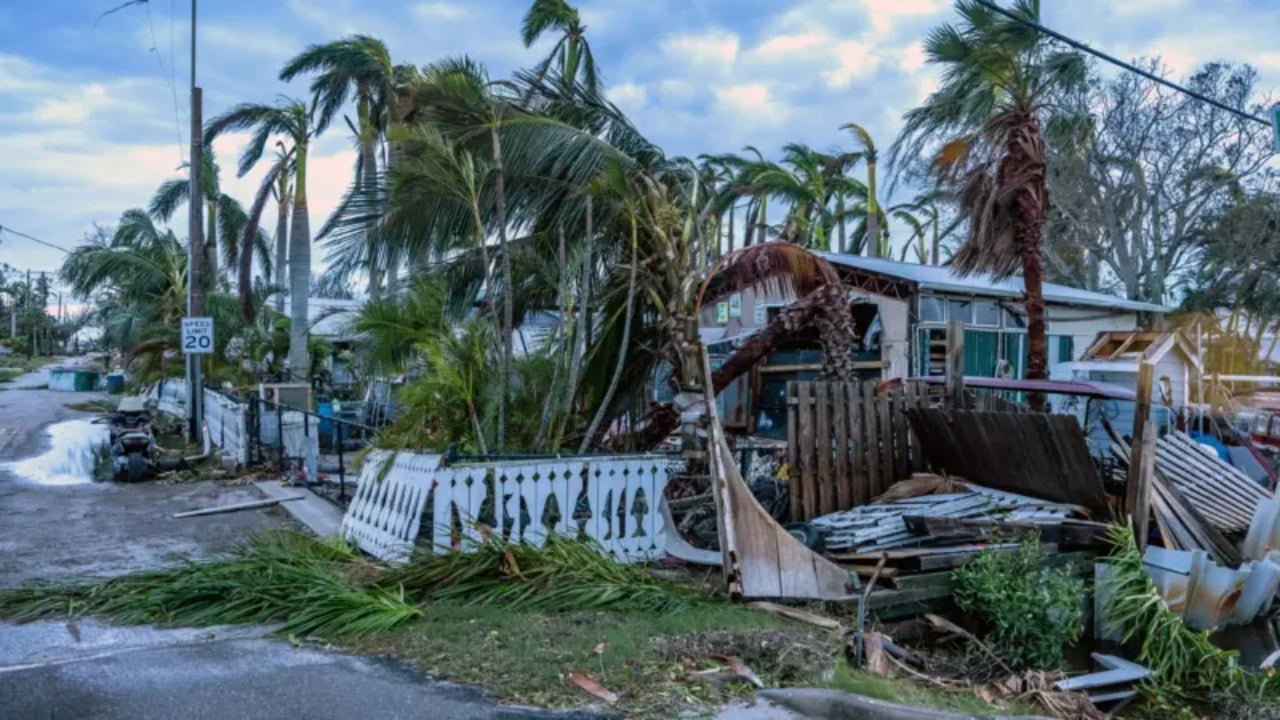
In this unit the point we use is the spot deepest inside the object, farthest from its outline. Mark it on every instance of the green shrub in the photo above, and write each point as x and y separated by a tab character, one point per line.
1029	613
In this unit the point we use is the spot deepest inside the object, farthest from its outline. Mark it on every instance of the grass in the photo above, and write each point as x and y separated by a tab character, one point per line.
8	374
523	655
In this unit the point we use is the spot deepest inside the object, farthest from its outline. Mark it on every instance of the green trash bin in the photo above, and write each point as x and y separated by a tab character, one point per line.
86	381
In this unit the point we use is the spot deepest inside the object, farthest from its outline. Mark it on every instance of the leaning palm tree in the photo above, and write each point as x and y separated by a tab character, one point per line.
572	52
985	119
291	120
359	66
174	193
459	98
873	217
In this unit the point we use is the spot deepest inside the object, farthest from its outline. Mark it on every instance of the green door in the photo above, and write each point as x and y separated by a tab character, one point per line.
981	351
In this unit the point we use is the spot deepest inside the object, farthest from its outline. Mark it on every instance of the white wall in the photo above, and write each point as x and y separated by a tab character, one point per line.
1084	324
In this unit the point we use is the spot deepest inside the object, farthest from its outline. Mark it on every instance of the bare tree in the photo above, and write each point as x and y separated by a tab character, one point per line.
1135	168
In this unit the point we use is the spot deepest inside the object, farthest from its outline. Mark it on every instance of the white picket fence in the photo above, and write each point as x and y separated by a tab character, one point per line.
613	500
228	424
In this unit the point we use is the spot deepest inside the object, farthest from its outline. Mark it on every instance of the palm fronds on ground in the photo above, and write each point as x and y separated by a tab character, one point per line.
313	587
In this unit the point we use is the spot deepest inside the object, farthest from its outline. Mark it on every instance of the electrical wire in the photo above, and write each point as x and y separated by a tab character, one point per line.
11	231
1120	63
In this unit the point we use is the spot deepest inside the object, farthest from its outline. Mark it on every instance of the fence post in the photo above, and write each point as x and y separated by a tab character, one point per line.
342	466
1142	457
955	365
280	433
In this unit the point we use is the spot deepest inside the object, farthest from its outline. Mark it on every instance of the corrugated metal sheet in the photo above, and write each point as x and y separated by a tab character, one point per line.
945	279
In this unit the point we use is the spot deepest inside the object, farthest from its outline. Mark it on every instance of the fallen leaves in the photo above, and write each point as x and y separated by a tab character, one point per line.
591	685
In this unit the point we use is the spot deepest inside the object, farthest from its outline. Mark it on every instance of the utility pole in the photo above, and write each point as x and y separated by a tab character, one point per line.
31	351
195	245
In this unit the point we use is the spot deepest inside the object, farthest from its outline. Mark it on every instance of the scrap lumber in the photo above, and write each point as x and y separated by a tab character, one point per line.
1079	533
1141	463
236	507
792	613
760	558
1037	455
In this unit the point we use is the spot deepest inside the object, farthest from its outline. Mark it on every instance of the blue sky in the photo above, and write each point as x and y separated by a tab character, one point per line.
88	126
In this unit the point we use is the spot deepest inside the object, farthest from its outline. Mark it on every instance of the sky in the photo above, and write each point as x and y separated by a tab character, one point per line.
94	110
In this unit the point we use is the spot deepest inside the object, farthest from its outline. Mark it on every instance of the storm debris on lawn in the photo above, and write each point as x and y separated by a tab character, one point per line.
782	656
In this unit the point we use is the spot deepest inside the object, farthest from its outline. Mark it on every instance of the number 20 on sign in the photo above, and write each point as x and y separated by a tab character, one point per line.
197	335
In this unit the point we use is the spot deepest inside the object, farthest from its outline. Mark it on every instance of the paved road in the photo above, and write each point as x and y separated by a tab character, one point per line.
69	671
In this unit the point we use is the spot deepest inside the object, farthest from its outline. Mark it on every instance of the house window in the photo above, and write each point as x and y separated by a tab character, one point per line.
931	310
960	311
986	313
1014	320
771	404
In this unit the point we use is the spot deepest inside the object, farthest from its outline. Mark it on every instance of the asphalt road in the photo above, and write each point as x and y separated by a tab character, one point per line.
82	669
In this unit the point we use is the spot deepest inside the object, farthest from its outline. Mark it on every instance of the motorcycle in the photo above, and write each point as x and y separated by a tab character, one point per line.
133	445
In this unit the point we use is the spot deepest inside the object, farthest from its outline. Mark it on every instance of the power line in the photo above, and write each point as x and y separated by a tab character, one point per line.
1120	63
11	231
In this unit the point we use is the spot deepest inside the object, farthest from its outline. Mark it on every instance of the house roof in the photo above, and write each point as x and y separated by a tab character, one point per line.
944	279
1112	346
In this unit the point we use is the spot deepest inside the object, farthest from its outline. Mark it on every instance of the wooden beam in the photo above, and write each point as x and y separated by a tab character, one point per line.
955	365
1142	461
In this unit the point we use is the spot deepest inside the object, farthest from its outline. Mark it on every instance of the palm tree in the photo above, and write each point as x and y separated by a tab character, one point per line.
291	120
998	74
572	52
358	65
871	212
461	100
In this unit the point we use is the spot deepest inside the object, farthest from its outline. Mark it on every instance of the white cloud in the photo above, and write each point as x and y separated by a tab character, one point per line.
751	102
676	90
439	10
628	96
786	46
714	48
240	39
885	14
75	105
854	60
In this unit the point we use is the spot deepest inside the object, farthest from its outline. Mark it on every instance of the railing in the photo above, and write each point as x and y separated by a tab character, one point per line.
613	500
252	431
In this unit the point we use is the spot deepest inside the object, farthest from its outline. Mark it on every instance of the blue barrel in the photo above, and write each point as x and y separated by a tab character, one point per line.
115	383
325	410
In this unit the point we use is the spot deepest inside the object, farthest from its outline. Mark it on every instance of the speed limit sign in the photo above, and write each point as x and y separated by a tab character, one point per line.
197	335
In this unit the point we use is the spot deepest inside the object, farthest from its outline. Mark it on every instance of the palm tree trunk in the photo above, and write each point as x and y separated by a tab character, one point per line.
763	225
603	410
844	243
282	238
1025	159
731	214
368	177
211	246
551	404
508	310
934	250
873	212
299	270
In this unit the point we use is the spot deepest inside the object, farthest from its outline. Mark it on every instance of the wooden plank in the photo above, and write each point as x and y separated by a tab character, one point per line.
857	444
955	365
1142	459
793	446
824	447
901	432
808	455
884	422
871	436
840	438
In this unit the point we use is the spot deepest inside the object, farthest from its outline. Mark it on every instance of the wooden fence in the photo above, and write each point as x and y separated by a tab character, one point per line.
846	445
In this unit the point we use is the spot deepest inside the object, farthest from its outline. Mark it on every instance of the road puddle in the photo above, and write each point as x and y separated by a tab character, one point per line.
75	446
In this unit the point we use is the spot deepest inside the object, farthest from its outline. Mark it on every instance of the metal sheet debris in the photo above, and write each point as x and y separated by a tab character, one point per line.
867	528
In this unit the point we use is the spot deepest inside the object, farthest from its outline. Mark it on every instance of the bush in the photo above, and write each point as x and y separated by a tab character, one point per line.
1029	613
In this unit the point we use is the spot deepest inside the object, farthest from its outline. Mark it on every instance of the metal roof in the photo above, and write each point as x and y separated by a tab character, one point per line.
941	278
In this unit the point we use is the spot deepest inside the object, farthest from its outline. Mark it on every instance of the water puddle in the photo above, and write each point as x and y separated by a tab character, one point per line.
75	446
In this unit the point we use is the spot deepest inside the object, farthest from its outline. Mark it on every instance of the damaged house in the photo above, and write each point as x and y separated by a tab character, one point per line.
901	311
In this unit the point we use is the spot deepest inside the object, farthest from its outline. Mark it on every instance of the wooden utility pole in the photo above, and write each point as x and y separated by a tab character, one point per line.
1142	457
195	245
955	365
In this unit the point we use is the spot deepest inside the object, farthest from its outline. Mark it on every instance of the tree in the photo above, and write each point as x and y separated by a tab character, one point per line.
997	76
1135	168
872	217
571	53
359	66
291	120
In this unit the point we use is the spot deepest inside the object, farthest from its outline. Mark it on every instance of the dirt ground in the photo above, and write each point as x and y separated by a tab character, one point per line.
99	528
